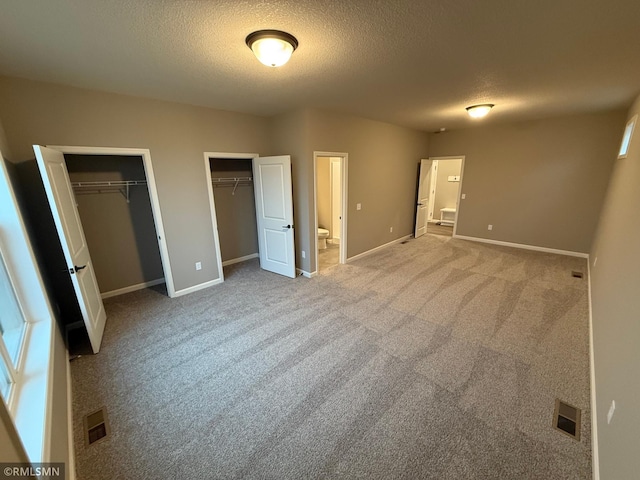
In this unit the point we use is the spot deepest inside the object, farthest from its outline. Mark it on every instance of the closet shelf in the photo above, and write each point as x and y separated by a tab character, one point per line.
121	186
231	181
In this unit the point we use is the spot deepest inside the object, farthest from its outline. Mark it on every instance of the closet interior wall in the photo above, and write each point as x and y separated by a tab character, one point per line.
235	208
121	234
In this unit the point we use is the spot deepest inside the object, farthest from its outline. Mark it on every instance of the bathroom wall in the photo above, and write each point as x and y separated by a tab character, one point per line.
323	192
446	191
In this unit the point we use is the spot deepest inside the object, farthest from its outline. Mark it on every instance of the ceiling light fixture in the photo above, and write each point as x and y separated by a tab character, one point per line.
479	111
272	47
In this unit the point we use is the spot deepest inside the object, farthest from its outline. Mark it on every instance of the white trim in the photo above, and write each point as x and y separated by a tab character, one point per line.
240	259
212	202
306	274
71	461
595	467
200	286
29	402
627	135
131	288
156	211
373	250
523	246
344	172
453	157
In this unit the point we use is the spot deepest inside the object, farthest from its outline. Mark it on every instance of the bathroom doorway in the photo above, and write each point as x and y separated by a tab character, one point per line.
445	179
330	182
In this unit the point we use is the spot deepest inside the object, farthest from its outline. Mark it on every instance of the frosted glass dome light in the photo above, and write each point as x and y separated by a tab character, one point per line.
479	111
272	47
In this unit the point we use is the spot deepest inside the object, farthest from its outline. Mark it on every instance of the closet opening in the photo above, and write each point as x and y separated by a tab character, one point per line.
114	205
233	208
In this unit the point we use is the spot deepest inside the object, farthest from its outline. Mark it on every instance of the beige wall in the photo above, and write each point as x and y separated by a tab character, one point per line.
446	191
235	212
290	132
382	174
538	182
177	135
616	310
121	236
323	194
4	144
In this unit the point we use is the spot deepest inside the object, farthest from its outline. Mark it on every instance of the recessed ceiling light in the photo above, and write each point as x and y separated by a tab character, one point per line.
272	47
479	111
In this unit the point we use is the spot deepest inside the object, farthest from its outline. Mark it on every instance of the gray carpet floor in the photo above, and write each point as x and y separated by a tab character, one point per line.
434	359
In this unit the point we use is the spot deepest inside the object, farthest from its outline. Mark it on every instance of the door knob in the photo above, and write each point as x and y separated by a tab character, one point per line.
287	226
76	268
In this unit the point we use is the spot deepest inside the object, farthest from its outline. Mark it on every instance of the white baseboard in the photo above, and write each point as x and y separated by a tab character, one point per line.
523	246
195	288
240	259
306	274
131	288
71	463
595	463
373	250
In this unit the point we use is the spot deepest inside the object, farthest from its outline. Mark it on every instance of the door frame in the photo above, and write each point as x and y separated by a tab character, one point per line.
212	202
145	153
344	187
453	157
420	189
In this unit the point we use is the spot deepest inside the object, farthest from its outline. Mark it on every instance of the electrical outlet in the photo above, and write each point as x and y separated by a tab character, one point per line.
464	195
612	409
198	265
358	206
490	227
390	229
303	253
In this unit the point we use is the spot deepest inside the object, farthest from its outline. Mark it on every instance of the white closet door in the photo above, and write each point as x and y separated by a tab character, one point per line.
55	177
274	212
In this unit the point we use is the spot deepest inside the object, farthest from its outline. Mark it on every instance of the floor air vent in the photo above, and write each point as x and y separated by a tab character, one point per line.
576	274
567	419
96	427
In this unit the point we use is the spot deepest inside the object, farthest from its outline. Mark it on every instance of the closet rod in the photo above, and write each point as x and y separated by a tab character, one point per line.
121	186
228	181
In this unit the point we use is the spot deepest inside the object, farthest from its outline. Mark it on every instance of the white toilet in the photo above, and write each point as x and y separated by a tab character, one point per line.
323	234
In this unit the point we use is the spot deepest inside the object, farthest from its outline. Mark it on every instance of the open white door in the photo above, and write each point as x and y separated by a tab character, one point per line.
274	212
424	188
55	177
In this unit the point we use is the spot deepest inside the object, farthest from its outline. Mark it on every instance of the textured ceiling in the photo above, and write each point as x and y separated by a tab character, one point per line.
414	63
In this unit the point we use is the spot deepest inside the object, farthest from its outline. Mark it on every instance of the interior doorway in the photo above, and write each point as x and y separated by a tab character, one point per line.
438	196
330	199
71	267
232	202
264	183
